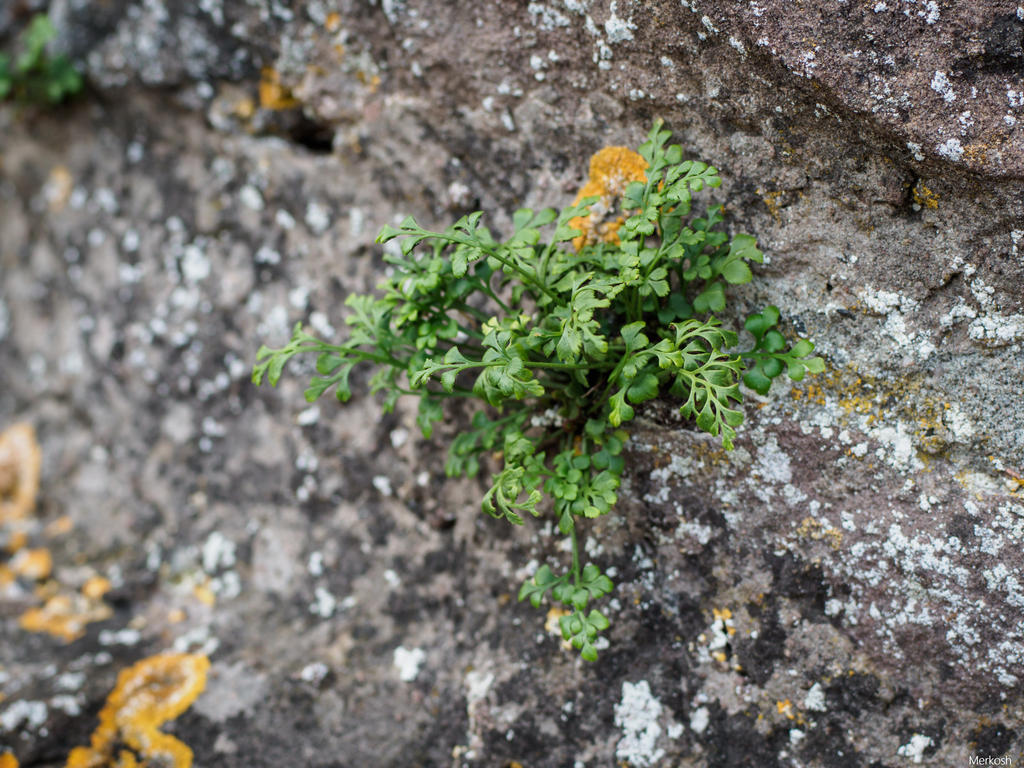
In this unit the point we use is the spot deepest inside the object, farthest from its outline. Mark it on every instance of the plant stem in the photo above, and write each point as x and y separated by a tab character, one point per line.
575	556
564	366
492	251
615	374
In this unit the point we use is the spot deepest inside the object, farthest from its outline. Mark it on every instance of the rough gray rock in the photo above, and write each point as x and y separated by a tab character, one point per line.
845	589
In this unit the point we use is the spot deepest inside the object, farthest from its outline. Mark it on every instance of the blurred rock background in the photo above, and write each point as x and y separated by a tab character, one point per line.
845	589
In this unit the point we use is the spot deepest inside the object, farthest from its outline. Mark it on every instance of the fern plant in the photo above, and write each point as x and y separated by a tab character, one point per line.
556	339
34	76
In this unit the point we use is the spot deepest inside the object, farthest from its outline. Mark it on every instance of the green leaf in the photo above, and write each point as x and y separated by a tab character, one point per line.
643	388
737	272
543	581
757	381
773	341
387	232
620	410
581	630
711	299
429	412
569	345
802	348
460	264
633	336
745	247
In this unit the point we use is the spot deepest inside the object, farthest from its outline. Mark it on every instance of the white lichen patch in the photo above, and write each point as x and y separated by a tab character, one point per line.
617	28
699	720
951	149
989	325
251	198
815	699
314	673
324	603
772	465
941	85
317	218
30	715
914	749
901	577
218	552
408	662
637	715
546	17
896	332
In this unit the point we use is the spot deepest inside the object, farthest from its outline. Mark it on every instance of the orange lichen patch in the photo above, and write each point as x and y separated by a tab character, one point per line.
65	615
771	201
16	541
611	171
58	188
370	80
245	108
333	22
551	622
6	578
924	197
204	594
7	760
20	460
59	527
96	587
33	563
273	95
725	616
815	531
147	695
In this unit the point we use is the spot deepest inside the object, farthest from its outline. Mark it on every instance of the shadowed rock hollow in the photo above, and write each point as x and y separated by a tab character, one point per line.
846	588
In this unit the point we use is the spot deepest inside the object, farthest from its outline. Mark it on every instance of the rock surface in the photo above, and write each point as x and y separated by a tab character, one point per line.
846	588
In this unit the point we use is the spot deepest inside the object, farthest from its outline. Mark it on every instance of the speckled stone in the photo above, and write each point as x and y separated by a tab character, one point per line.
846	588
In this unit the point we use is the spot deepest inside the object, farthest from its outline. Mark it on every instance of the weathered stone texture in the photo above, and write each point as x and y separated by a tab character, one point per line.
846	588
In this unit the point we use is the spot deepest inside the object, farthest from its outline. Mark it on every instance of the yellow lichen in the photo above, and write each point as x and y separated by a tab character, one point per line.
725	616
7	760
204	594
65	615
924	197
58	188
16	540
274	95
147	695
369	79
815	531
20	461
59	527
611	171
551	623
864	400
245	108
60	611
33	563
773	201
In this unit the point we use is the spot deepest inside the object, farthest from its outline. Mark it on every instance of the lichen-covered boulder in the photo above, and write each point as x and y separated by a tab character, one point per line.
845	588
